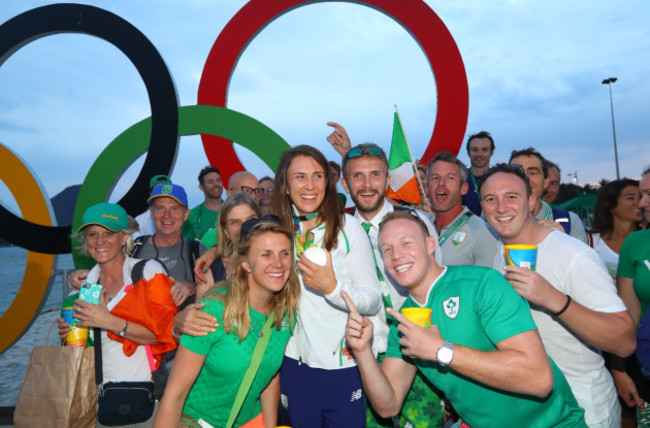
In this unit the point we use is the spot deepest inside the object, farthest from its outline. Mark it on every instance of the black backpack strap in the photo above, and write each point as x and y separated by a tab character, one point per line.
194	254
137	245
137	271
562	213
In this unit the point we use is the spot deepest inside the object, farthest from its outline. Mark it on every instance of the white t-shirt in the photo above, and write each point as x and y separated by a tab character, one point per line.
575	269
606	254
116	366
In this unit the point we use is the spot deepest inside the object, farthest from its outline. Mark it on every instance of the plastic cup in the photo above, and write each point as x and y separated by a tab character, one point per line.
524	256
78	336
419	316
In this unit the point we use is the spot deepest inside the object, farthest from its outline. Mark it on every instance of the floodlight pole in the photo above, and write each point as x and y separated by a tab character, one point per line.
609	82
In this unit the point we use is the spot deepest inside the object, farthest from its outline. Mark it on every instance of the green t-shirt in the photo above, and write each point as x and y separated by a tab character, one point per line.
476	307
634	262
199	221
213	393
210	238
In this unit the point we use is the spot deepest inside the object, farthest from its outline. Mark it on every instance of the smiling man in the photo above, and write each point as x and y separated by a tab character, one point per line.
482	348
535	167
205	215
480	148
366	178
464	237
573	299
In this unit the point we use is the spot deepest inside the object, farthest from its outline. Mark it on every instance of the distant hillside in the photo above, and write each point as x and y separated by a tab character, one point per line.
63	204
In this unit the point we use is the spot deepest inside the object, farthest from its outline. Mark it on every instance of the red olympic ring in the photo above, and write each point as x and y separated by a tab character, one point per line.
414	15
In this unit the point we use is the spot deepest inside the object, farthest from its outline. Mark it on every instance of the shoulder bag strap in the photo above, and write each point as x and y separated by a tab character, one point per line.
247	381
97	338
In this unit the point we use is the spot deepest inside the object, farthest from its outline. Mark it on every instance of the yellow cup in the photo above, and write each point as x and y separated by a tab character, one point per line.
419	316
524	256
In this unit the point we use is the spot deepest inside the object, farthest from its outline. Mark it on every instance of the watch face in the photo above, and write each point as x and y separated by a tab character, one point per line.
445	355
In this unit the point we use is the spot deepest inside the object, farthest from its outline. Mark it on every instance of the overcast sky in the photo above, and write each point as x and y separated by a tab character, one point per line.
534	71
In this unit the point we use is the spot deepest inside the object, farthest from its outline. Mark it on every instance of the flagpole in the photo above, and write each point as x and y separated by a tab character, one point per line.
415	168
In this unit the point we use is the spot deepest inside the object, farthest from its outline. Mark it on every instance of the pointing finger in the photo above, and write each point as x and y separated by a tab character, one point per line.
399	317
348	301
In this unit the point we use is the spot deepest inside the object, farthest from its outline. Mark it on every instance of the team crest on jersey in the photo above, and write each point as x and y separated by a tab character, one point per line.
451	306
458	238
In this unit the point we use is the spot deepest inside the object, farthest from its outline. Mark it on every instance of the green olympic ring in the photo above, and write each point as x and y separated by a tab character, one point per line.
130	144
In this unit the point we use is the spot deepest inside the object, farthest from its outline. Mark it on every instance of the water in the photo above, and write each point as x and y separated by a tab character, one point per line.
12	270
13	361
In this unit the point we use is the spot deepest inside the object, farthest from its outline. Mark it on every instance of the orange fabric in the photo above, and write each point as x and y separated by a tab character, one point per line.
407	193
150	304
258	422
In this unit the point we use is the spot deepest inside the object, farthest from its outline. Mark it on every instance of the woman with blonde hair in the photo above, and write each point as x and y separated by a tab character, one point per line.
257	302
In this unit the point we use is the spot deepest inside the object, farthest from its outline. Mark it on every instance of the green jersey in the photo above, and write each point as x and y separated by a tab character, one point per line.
476	307
199	221
634	262
227	359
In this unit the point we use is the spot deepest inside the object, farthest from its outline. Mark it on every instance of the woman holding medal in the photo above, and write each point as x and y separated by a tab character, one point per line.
320	383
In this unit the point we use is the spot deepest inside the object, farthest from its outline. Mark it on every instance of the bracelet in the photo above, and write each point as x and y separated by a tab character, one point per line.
177	334
566	306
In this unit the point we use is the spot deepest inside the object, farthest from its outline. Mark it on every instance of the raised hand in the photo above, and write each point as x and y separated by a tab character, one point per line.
358	331
339	139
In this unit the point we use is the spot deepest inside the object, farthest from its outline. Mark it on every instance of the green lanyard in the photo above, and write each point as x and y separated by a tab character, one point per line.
471	175
388	303
457	224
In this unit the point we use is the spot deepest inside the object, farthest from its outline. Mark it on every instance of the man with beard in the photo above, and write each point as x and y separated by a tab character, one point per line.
366	178
480	148
536	169
464	237
205	215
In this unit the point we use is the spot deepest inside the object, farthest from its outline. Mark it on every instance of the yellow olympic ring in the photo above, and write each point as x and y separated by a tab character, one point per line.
22	182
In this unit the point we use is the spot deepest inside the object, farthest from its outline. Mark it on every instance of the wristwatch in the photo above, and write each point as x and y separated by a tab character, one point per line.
445	353
122	332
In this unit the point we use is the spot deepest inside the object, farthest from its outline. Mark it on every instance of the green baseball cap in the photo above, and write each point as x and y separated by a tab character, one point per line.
111	216
159	179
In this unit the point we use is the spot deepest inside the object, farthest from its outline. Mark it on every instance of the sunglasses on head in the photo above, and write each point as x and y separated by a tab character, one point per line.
358	151
249	225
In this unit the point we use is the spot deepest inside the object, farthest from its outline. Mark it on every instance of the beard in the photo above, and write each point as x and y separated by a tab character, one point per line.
367	205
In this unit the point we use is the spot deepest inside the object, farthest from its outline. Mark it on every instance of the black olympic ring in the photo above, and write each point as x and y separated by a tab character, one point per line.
76	18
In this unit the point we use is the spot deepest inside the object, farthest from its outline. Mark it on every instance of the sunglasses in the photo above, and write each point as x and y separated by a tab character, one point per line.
249	225
358	151
258	191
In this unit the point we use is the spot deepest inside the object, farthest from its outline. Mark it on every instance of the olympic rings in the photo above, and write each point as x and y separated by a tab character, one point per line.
76	18
17	176
414	15
130	144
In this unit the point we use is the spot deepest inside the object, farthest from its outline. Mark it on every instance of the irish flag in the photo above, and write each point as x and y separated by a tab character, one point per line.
403	183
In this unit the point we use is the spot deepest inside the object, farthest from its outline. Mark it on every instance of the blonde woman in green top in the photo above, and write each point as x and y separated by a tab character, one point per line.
208	369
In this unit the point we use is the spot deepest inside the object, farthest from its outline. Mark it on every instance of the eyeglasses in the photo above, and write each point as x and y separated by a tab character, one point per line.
258	191
249	225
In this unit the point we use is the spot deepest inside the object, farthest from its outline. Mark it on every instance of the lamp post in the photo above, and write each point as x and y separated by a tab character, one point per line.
609	82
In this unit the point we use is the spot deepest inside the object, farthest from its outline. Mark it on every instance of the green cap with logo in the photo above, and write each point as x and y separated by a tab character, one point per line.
111	216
